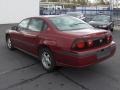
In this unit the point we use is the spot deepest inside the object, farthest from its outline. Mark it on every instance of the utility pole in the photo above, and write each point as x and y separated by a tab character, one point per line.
111	4
111	8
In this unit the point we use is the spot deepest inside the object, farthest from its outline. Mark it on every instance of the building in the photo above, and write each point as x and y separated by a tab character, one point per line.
13	11
51	5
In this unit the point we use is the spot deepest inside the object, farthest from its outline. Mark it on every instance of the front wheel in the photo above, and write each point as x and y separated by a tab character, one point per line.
9	43
47	60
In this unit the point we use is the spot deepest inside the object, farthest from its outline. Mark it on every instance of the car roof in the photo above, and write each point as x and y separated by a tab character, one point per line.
50	16
47	16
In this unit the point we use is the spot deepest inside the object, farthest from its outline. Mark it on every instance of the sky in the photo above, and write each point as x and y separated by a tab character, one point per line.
92	1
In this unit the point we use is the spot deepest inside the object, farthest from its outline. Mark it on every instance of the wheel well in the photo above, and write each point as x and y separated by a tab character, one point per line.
43	46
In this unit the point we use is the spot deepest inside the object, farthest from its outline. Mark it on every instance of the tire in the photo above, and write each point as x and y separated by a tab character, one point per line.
9	43
111	29
47	60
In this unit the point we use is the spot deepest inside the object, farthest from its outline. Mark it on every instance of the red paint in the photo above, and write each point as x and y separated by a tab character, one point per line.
61	43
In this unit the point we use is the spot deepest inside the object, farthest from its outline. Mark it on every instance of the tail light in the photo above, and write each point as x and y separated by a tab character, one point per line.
82	44
109	38
79	44
90	42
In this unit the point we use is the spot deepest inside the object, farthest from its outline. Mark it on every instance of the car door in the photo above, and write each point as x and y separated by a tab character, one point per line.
18	34
31	35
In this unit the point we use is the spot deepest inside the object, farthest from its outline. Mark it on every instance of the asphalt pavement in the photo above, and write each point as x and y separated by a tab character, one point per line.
19	71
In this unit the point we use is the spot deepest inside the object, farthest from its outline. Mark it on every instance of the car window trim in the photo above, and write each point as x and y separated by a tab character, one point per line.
27	24
43	24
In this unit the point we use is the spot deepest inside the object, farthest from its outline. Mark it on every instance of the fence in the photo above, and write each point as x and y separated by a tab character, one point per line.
114	13
89	12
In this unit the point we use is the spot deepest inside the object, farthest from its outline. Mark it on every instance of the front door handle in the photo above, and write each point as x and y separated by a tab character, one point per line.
29	35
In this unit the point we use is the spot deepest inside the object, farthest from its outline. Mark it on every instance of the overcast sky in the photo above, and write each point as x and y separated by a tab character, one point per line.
94	0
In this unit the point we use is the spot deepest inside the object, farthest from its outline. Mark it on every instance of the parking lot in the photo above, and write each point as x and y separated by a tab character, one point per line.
19	71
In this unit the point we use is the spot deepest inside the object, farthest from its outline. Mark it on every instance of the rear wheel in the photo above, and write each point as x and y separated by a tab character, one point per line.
47	60
9	43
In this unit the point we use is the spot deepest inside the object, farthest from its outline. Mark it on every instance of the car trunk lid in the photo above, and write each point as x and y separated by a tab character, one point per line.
87	32
99	37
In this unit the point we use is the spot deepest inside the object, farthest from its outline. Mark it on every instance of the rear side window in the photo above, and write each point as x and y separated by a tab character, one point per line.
36	25
24	23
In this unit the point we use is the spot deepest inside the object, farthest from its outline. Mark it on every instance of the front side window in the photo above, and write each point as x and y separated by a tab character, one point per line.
24	23
67	23
36	25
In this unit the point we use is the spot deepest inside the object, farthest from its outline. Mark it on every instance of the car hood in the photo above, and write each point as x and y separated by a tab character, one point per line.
87	32
98	23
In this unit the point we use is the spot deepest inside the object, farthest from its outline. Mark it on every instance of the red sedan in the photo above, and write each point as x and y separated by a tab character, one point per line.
61	41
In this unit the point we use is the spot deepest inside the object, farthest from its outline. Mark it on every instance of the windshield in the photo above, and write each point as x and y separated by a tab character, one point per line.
103	18
68	23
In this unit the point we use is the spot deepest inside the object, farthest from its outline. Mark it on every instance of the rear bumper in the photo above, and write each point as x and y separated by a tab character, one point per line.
86	58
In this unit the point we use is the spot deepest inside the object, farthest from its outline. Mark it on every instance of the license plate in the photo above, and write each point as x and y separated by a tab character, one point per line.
103	53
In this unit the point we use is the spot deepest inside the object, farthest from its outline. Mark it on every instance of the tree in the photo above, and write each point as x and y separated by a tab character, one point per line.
53	0
42	0
102	2
82	2
74	1
78	1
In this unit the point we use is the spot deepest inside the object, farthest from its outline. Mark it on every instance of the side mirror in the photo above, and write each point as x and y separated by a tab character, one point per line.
14	28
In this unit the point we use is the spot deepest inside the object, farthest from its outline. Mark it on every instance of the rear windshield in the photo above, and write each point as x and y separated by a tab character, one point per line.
67	23
74	14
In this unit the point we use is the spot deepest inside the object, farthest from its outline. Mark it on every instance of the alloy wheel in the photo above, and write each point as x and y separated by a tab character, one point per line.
46	60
